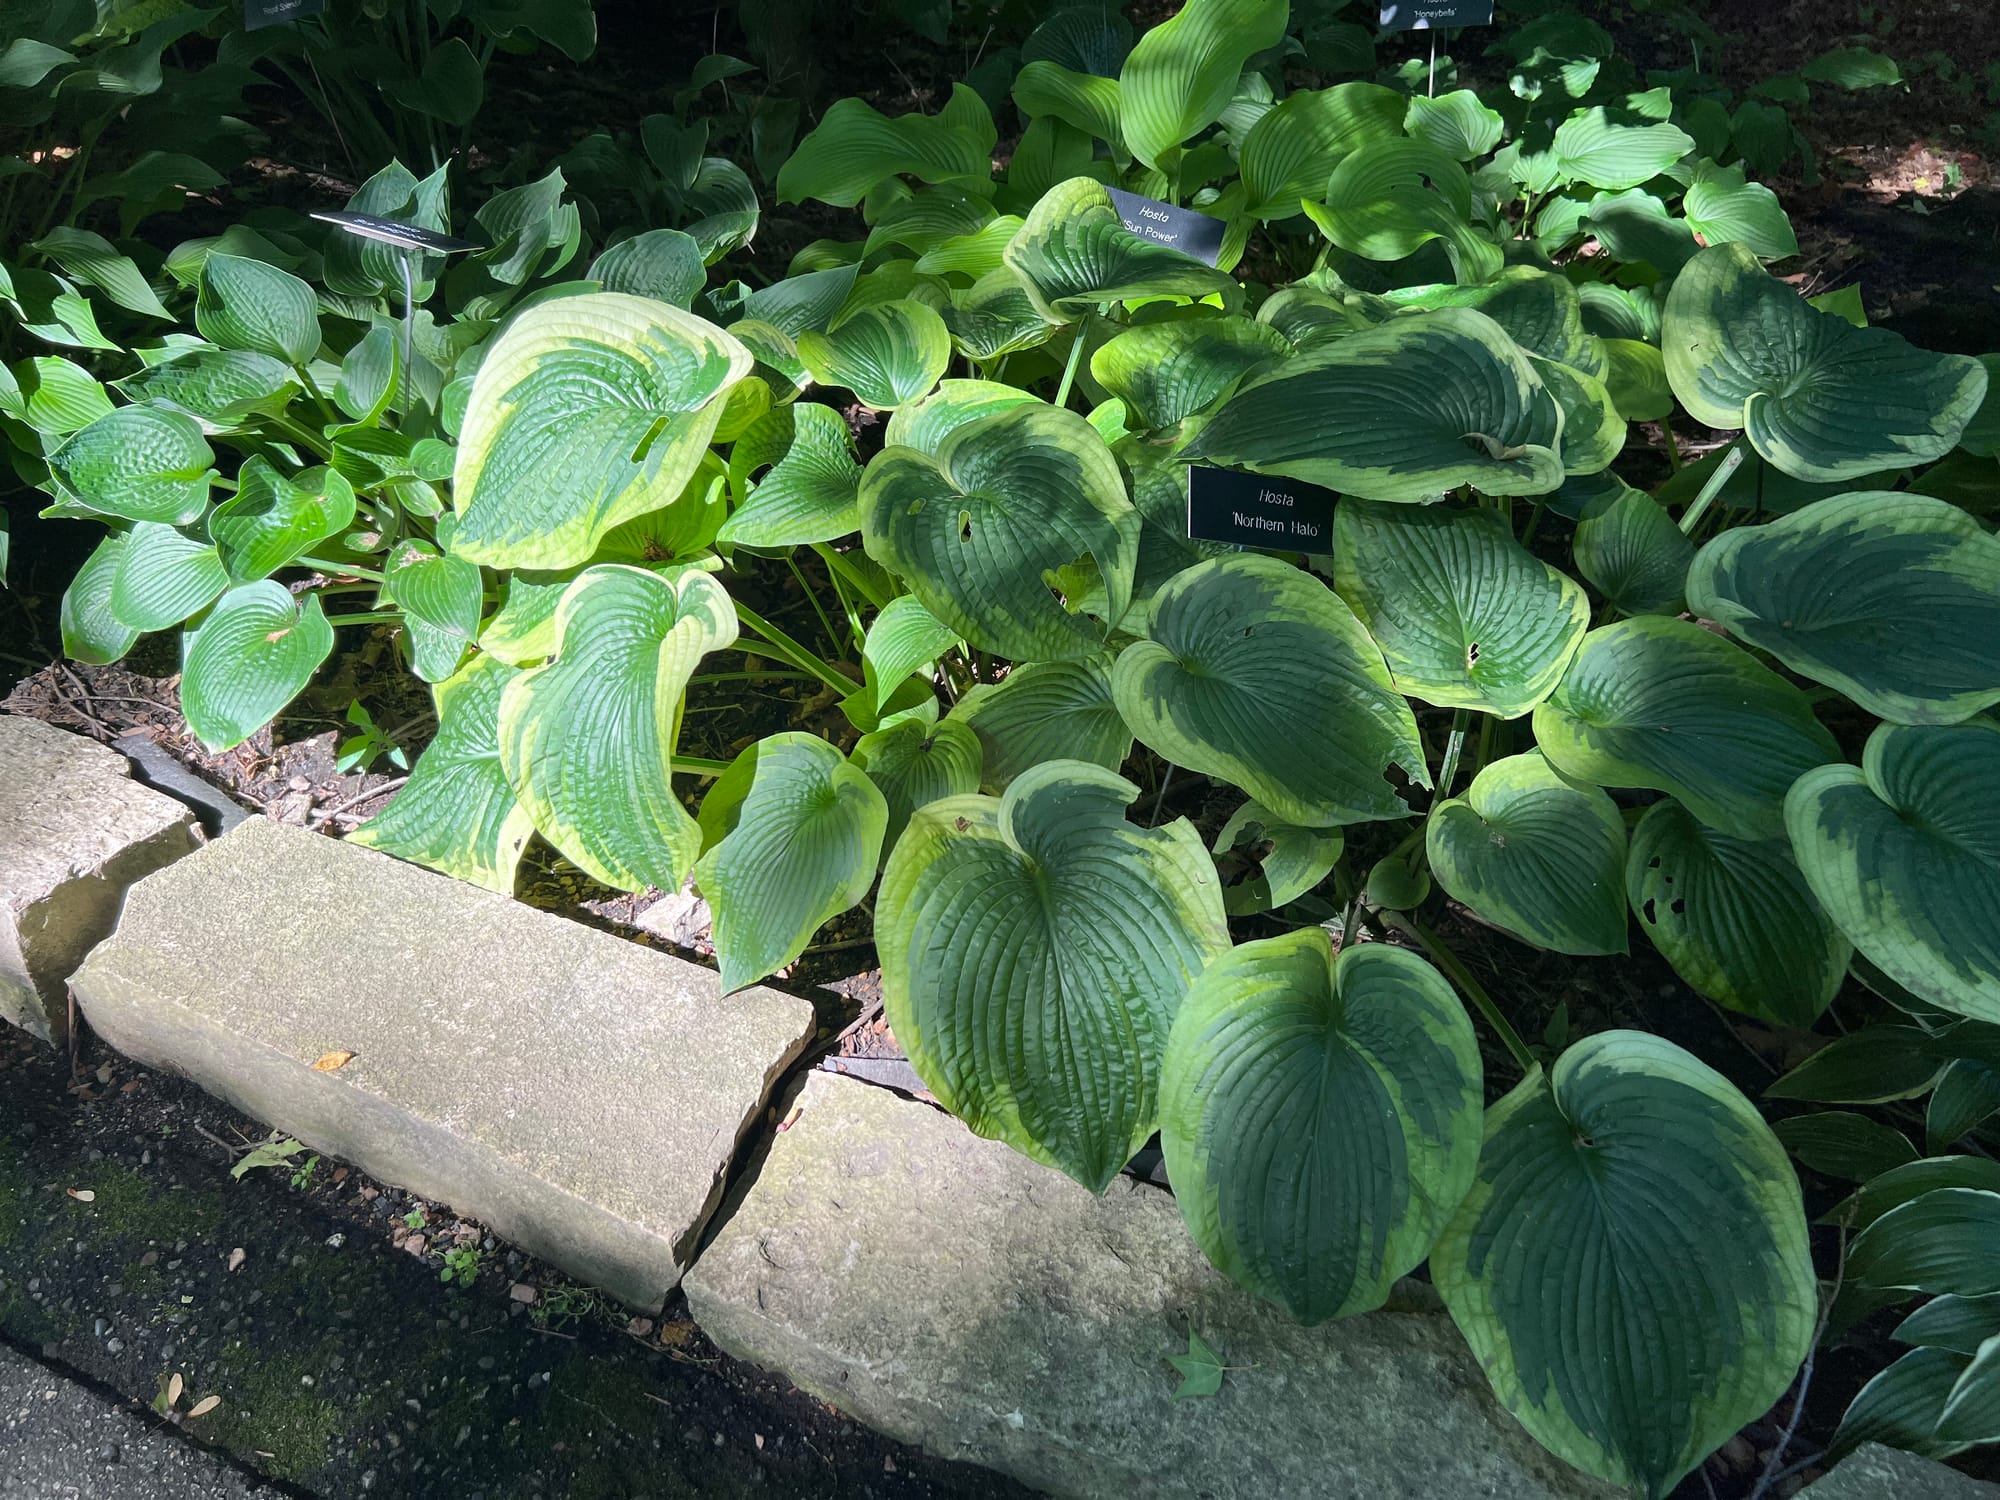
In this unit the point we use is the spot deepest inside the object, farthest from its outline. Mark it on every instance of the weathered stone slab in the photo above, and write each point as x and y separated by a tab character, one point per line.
580	1094
952	1293
75	831
1875	1472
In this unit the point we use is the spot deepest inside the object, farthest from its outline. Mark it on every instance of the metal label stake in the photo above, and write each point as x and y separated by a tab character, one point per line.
409	241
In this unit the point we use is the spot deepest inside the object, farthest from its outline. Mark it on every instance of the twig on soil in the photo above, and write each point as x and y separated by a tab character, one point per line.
234	1151
327	815
80	706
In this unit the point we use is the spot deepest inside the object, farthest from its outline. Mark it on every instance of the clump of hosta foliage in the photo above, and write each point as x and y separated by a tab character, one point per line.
1487	289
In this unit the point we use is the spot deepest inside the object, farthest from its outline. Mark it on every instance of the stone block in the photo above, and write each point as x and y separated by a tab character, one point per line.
1875	1472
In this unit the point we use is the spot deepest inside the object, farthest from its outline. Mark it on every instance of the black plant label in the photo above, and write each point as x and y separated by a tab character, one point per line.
393	231
1183	229
258	14
1254	510
1424	15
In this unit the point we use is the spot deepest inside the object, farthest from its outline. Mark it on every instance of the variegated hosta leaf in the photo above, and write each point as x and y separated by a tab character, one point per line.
1288	153
1734	917
271	520
1539	310
1258	674
1265	861
1074	253
587	741
1164	372
793	836
90	631
1631	1266
982	530
1183	72
1035	948
1815	395
144	463
1661	703
523	631
587	411
889	354
915	764
459	813
1904	853
1593	431
441	598
252	655
1320	1118
1628	548
810	481
1465	615
954	403
164	576
1403	412
1045	710
1892	598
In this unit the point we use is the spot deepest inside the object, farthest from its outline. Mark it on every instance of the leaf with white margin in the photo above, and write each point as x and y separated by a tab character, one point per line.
1184	71
588	740
1166	372
888	354
1901	1406
1283	861
144	463
1287	155
914	764
1075	253
809	489
1258	674
271	520
1045	710
254	653
1631	1266
1320	1118
164	577
90	631
441	597
1035	948
1628	548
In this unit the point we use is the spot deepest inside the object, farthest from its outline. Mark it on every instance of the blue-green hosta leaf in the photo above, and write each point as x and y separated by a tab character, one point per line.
1320	1118
1390	198
164	577
903	638
1456	123
1816	396
1035	948
1257	673
994	316
220	388
1183	72
914	764
587	411
663	264
1165	372
1941	1241
252	655
144	463
1427	403
1539	857
1966	1097
1087	38
1628	548
1288	154
954	403
1722	204
587	741
981	529
1465	615
1045	710
1960	1324
1074	253
854	147
90	631
1631	1266
1892	598
923	221
459	813
1840	1143
1735	917
810	482
271	520
1972	1411
1538	310
793	835
801	302
1904	854
1085	101
889	354
441	599
1661	703
246	304
1265	861
1901	1406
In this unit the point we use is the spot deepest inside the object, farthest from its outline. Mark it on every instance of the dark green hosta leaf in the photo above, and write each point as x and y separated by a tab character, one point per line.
90	631
1972	1411
359	267
1818	397
1183	72
1045	710
808	492
1871	1066
1628	548
1265	861
853	148
1456	123
459	813
1008	501
270	520
1942	1241
889	354
1966	1096
164	577
1035	948
1901	1406
450	88
663	264
1085	38
144	463
1165	372
1636	226
1465	615
441	600
1320	1118
1722	204
1894	599
1389	199
1904	1185
588	741
1084	101
1630	1266
1074	253
253	654
1427	402
793	835
1904	853
1960	1324
586	412
1257	673
1840	1143
1539	310
221	388
1734	917
915	764
1661	703
1288	153
994	316
246	304
1853	68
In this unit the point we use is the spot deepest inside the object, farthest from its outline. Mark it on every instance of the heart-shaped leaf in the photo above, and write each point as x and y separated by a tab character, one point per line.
254	653
1084	101
1046	710
853	148
1265	861
1628	548
808	490
271	520
916	764
359	267
889	354
1722	204
248	304
1074	253
90	631
1183	72
145	463
663	264
164	577
441	596
1456	123
1590	147
1539	310
1165	372
1288	153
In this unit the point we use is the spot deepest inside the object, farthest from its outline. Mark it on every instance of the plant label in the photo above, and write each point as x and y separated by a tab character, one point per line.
257	14
1426	15
1191	233
1255	510
394	232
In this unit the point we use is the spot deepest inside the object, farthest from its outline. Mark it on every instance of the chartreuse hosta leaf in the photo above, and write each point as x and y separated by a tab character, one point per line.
587	411
1904	853
854	148
980	529
1815	395
1320	1118
441	598
587	741
903	638
808	483
1265	861
145	463
793	836
1465	615
252	655
1035	948
1257	673
1456	123
1734	917
889	354
915	764
1630	1266
1084	101
1636	376
271	519
1892	598
1164	372
247	304
1661	703
90	631
164	576
1288	153
1184	71
459	813
1426	403
1045	710
1074	253
1628	548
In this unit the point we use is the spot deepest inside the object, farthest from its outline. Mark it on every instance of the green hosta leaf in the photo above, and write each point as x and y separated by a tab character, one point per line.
359	267
663	264
1035	948
1906	1184
94	261
1081	37
1320	1118
1287	155
995	315
269	521
221	388
459	813
1636	377
246	304
1590	148
809	489
1966	1096
451	87
1465	615
1902	1404
973	255
1428	402
1628	548
587	411
1818	397
794	834
1630	1266
1048	710
1853	68
1183	72
1734	917
1871	1066
914	764
1894	599
1904	853
978	530
1661	703
53	396
1456	123
1074	253
1960	1324
1723	205
441	598
1258	674
1265	861
90	631
1083	100
1165	372
587	741
164	577
1389	199
144	463
1940	1242
1539	311
853	148
253	654
1839	1143
1636	226
797	303
904	637
889	355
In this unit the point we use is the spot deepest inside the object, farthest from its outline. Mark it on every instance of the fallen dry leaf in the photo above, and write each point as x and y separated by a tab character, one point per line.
333	1062
174	1389
237	1257
521	1292
204	1406
83	1195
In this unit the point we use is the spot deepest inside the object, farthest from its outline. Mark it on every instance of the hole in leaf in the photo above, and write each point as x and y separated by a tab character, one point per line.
1677	905
965	526
646	443
1472	654
1653	863
1648	910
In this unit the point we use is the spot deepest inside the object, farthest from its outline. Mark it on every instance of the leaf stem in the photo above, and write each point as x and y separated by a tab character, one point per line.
375	617
1461	976
1731	462
786	649
301	434
837	562
698	765
1453	749
1673	444
338	569
1075	358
